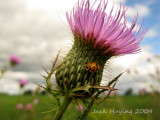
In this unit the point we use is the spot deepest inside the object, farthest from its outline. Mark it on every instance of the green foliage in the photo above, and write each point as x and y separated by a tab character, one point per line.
8	108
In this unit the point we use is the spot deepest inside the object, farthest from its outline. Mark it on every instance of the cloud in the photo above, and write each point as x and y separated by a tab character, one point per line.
140	70
142	10
151	33
35	31
32	34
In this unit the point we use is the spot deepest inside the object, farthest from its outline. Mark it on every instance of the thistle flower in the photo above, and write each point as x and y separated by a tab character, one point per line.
104	32
36	101
111	94
14	60
28	107
148	59
142	91
79	107
98	36
19	106
23	82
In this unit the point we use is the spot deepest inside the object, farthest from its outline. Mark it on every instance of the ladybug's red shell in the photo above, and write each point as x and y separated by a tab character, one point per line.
92	67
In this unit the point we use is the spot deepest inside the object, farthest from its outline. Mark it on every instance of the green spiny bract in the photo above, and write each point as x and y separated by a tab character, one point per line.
73	73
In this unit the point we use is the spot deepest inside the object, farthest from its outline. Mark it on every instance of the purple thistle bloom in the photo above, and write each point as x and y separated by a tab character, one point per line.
19	106
23	82
14	60
79	107
28	107
111	94
105	32
142	91
36	101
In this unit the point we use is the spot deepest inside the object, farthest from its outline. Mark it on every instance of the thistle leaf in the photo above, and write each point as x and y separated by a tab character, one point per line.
49	111
104	87
85	88
115	79
44	69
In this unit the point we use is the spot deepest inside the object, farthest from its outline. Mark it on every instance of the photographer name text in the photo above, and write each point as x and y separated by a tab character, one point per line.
122	111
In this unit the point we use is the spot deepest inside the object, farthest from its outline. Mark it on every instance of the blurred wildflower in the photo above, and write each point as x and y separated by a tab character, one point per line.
28	107
142	91
14	60
149	59
79	107
19	106
36	101
111	94
23	82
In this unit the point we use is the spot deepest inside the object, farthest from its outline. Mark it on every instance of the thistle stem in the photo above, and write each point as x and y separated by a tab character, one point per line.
63	106
86	112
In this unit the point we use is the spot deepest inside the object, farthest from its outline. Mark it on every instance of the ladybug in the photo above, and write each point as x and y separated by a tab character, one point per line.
92	67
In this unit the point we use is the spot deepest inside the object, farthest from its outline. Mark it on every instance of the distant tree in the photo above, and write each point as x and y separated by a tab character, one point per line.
129	92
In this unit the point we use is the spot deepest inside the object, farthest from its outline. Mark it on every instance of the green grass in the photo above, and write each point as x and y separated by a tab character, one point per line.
103	111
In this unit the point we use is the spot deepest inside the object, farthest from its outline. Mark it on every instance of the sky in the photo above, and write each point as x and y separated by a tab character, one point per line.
36	29
149	10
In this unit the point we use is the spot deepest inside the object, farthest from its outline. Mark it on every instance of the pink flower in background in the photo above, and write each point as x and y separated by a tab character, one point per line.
105	32
36	101
142	91
14	60
19	106
79	107
111	94
28	107
23	82
149	59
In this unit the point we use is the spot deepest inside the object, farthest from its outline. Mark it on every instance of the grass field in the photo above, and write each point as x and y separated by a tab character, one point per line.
116	108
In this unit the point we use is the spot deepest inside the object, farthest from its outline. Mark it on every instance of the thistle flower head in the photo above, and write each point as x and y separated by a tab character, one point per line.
14	60
28	107
79	107
36	101
98	36
23	82
105	32
19	106
111	94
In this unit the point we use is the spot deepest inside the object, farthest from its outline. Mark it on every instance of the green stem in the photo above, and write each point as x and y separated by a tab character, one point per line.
62	108
86	112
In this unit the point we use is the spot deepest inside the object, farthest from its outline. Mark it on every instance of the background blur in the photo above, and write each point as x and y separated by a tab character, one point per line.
36	29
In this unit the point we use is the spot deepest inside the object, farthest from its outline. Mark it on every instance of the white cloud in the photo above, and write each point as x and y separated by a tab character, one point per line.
34	31
142	10
140	70
151	33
